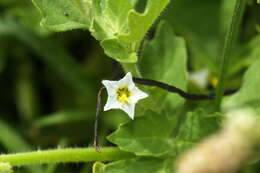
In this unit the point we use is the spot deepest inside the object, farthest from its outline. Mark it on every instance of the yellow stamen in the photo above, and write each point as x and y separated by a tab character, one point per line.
214	82
123	94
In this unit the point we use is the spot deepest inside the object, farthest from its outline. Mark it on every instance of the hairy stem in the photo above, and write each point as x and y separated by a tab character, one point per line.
229	42
65	155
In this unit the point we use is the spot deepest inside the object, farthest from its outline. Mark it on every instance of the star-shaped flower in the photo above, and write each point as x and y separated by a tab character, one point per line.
123	94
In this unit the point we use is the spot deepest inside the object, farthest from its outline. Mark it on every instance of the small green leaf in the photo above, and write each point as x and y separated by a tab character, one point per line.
62	15
145	136
196	126
140	165
171	67
120	28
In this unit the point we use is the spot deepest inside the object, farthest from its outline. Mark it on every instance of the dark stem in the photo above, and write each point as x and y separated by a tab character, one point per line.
178	91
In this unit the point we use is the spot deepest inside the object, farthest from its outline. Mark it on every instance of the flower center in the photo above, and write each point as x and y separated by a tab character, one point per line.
123	94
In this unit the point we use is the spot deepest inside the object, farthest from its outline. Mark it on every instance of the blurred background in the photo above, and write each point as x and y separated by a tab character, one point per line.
49	81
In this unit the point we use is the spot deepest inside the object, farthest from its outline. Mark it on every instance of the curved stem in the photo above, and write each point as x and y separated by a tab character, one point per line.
180	92
65	155
229	42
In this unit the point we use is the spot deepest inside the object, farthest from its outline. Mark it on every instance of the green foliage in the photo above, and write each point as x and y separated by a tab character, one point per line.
150	140
196	126
171	68
247	95
203	37
49	81
121	36
114	22
141	165
60	15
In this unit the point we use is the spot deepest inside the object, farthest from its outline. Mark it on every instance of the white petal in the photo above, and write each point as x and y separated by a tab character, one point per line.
129	109
111	86
200	77
137	95
112	103
127	81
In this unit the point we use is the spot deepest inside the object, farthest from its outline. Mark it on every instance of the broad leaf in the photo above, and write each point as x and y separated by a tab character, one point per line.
199	23
63	15
247	55
146	136
165	59
114	22
197	125
248	93
140	165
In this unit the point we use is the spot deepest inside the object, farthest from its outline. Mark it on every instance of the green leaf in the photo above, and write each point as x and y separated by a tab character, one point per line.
171	67
246	56
197	125
11	2
140	165
63	15
28	16
248	93
114	22
205	39
120	28
145	136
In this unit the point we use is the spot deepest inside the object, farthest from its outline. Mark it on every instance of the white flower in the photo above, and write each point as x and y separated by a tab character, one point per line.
123	94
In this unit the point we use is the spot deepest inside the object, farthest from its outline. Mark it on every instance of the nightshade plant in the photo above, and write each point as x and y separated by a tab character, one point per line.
50	83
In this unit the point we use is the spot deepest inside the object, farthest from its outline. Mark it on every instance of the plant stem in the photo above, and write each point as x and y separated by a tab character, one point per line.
131	67
228	45
65	155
